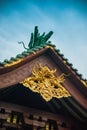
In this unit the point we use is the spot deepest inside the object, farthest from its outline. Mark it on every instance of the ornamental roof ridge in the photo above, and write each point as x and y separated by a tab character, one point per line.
66	61
36	43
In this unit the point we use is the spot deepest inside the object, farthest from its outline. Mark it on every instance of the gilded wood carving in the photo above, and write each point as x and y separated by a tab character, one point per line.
44	81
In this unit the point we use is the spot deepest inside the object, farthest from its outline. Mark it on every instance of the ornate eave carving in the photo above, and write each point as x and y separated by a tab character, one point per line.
44	81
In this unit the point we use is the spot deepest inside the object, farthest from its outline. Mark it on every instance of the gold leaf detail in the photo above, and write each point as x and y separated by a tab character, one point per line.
13	63
48	46
84	83
43	81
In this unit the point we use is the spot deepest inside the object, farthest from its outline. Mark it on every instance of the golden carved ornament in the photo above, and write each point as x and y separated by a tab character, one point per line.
13	63
48	46
84	83
43	81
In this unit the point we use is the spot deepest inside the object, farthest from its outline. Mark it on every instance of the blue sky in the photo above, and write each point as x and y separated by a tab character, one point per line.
66	18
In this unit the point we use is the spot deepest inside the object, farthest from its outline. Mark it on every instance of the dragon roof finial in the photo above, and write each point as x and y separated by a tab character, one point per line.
36	39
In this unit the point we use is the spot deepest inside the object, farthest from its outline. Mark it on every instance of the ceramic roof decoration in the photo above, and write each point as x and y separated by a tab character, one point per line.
37	42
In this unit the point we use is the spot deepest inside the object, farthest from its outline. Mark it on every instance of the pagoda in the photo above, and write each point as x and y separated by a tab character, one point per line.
41	90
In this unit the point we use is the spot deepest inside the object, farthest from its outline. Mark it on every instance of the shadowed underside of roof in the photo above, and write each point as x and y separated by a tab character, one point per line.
20	95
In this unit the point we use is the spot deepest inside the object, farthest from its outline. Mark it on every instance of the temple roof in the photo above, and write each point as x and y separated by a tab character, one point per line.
41	42
15	70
